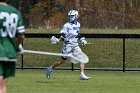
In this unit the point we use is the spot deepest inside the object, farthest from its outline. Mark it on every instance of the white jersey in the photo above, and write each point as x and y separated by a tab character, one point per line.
71	32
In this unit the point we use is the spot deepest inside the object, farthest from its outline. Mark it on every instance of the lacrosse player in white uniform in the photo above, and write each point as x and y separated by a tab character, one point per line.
70	34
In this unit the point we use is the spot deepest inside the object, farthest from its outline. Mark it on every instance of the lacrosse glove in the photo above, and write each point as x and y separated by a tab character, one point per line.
20	50
83	41
54	40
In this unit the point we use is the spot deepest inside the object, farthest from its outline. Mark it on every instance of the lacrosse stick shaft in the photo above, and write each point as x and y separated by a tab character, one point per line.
46	53
53	54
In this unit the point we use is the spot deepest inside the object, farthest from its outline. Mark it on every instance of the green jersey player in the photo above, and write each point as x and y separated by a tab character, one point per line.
11	36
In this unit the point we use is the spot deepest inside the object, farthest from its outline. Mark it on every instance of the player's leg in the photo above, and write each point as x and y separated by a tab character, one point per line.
10	72
56	64
82	66
59	62
65	50
3	85
82	74
7	69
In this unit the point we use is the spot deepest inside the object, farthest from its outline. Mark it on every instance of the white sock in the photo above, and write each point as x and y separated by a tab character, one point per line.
82	73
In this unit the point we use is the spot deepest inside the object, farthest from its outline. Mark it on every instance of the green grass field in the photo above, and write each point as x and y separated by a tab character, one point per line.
103	53
34	81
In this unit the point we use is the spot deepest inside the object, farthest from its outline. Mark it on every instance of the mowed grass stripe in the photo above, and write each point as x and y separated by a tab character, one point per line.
34	81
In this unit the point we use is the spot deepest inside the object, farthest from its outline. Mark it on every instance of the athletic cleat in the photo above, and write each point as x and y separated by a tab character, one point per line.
48	72
84	77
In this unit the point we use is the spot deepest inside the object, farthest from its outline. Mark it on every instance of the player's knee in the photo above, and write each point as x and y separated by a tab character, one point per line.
63	58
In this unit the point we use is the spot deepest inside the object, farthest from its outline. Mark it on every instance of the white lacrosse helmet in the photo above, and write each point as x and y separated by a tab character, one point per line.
73	15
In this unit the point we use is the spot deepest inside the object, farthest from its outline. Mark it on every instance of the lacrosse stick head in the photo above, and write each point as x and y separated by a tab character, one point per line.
79	57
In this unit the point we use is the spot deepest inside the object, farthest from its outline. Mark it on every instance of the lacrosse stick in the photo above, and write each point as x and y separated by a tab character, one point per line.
81	58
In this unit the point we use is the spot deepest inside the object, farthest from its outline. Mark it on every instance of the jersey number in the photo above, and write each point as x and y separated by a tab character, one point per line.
9	24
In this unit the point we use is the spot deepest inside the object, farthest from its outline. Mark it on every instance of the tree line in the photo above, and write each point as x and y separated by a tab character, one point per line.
93	13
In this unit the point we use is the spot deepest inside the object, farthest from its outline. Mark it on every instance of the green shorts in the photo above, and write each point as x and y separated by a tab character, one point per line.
7	69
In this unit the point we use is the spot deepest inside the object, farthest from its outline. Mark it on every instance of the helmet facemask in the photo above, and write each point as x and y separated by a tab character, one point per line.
73	16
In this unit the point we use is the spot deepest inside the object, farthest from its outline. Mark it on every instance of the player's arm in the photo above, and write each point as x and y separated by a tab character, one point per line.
62	36
20	39
55	40
83	40
20	33
63	32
